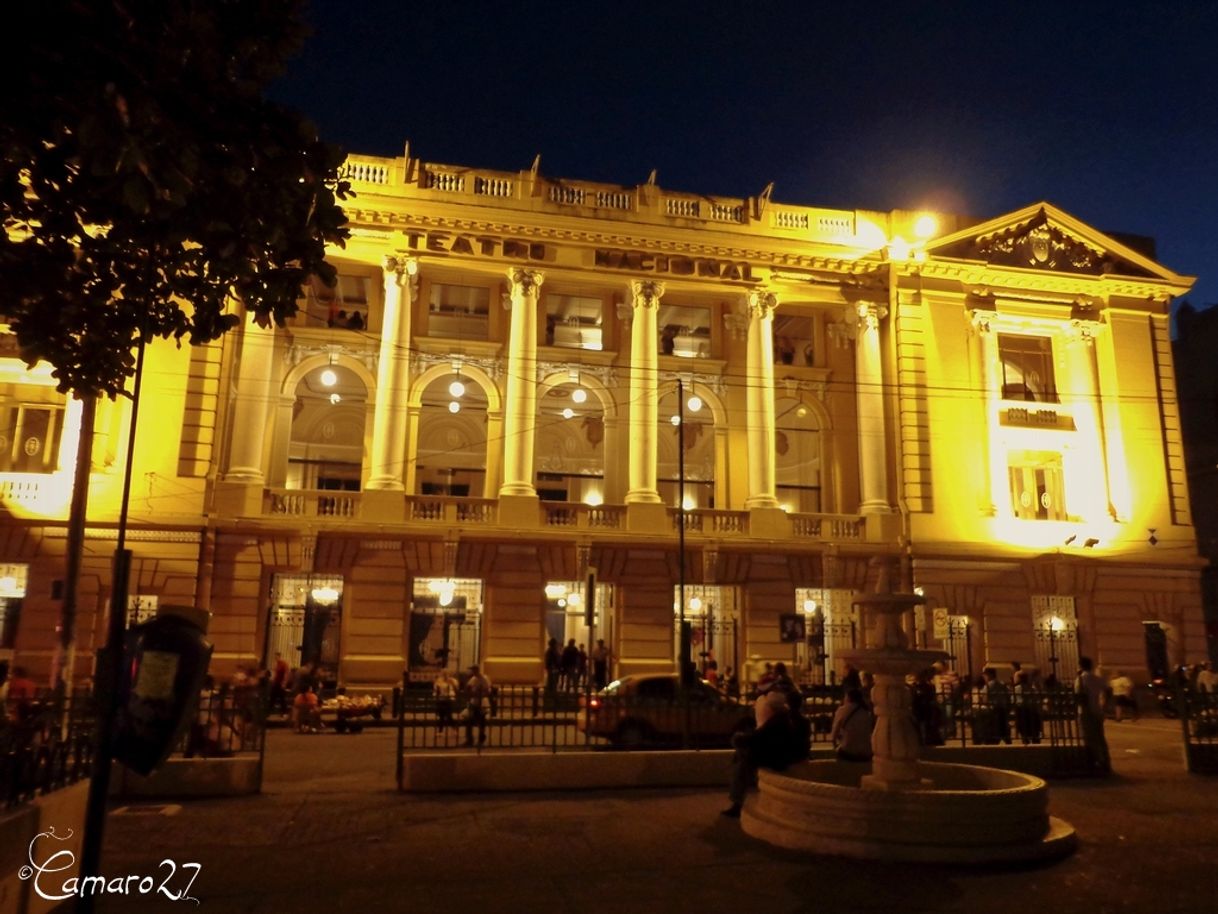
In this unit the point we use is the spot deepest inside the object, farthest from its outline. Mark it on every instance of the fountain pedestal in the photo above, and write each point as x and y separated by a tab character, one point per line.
902	809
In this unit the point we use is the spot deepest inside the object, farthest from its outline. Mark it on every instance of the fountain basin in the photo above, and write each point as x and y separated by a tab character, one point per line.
964	814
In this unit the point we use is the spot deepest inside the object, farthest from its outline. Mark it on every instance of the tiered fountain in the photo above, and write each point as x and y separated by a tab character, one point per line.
899	808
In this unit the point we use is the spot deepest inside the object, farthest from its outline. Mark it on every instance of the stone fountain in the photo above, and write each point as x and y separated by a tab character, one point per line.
898	807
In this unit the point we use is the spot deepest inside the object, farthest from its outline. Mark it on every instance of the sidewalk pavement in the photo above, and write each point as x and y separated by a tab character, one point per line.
331	835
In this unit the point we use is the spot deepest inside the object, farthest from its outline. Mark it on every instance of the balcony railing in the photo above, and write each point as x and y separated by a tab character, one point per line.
451	510
311	503
714	522
577	514
484	512
828	527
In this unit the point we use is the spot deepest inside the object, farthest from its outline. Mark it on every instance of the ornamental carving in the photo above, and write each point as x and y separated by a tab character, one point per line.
402	272
646	293
525	282
761	303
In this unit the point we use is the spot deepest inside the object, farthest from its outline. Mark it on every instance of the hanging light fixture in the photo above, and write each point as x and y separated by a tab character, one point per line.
328	377
568	413
335	399
456	388
454	407
694	403
579	395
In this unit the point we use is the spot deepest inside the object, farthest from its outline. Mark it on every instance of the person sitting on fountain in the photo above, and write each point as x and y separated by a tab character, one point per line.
781	737
852	726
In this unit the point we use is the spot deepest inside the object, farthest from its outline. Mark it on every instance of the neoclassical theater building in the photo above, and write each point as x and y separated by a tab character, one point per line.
520	379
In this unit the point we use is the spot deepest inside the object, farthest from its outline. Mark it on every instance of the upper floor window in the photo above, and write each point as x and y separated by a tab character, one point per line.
1037	485
343	305
458	312
574	321
29	436
793	340
685	332
1027	368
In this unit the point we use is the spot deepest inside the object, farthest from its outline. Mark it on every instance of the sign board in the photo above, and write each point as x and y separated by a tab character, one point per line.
940	623
791	627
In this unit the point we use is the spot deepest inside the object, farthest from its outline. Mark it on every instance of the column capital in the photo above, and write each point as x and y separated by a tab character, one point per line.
646	293
870	314
525	282
760	303
982	321
401	272
1082	333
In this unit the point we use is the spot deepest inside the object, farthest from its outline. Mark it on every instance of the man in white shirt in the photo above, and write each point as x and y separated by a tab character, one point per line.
1207	679
478	688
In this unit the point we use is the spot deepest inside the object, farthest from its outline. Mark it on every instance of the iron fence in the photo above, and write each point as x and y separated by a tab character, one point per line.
227	721
45	744
1199	719
533	718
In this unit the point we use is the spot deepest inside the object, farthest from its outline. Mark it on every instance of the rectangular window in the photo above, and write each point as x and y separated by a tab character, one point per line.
344	305
13	580
1037	487
29	437
1027	368
793	340
459	312
574	322
685	332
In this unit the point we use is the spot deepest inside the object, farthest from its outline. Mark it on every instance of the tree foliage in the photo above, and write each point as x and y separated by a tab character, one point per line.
145	179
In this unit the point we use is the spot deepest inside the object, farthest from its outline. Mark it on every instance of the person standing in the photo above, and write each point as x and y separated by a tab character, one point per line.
553	665
1122	696
600	664
445	690
478	691
279	681
570	665
1091	688
998	697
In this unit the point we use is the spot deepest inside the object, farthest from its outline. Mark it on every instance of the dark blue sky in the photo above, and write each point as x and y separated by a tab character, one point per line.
1109	110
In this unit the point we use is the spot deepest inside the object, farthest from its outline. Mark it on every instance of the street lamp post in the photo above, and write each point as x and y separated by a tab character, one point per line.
683	658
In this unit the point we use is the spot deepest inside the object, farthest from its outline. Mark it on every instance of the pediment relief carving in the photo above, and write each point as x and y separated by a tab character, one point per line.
1040	243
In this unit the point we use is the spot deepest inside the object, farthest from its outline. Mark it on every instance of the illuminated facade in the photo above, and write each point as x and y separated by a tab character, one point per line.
422	467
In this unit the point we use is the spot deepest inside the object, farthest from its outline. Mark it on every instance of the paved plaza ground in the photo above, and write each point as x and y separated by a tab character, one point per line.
330	834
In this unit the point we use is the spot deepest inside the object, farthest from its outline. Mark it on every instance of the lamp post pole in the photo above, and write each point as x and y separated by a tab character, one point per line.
683	660
109	667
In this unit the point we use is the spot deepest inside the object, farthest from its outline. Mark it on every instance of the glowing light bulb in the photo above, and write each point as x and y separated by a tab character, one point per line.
695	604
926	226
568	413
809	606
688	503
329	377
694	403
446	597
554	591
454	407
801	411
579	395
594	499
456	389
335	399
675	420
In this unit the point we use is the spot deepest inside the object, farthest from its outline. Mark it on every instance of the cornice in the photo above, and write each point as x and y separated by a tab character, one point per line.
373	220
998	278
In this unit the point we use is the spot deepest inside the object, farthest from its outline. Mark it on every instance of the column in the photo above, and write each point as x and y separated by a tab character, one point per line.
869	385
760	379
388	458
520	413
997	495
644	396
250	408
1087	467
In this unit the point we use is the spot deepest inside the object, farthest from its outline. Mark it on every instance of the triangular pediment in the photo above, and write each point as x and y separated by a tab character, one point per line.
1043	237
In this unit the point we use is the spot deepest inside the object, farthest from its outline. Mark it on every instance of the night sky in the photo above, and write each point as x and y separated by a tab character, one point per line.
1109	110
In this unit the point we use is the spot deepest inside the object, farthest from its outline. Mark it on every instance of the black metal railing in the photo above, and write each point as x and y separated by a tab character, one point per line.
227	721
1199	719
45	744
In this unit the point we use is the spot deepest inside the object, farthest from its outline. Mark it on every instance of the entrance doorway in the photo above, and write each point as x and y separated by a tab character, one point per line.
445	631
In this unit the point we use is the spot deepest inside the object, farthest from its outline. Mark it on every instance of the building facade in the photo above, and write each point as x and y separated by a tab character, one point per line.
518	380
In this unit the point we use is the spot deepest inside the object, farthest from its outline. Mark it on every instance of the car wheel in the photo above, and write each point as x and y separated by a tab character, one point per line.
630	735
